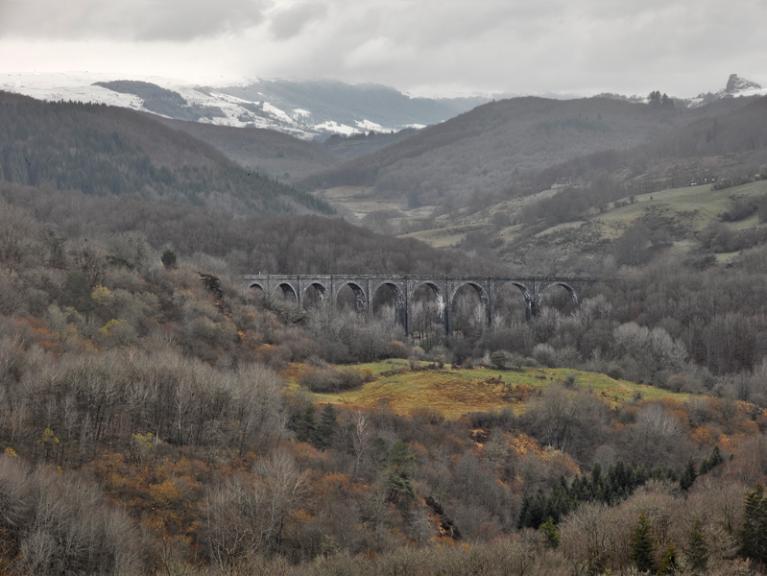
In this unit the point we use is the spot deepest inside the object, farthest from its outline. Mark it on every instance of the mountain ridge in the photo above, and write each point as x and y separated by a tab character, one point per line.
308	110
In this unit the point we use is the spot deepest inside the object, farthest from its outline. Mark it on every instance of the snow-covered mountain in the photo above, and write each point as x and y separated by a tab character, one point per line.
308	110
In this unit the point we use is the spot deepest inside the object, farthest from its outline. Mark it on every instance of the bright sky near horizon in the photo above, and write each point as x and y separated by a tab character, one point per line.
436	47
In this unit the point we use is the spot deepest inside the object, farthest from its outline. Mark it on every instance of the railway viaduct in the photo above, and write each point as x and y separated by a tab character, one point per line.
445	290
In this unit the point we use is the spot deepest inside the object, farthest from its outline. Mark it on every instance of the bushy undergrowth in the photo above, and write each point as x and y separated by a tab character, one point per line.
332	379
56	523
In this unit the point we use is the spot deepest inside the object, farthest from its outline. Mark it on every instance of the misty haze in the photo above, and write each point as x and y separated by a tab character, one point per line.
377	288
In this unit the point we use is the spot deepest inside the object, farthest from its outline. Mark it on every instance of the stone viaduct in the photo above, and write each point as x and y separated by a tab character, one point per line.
445	289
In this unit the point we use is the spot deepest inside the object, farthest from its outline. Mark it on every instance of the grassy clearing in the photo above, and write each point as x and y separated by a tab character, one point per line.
454	393
702	203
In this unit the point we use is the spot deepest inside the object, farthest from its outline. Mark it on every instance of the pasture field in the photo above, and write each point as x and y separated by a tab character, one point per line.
454	393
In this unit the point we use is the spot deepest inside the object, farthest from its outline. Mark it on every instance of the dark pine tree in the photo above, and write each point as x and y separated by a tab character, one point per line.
169	259
642	547
697	550
753	534
551	532
326	429
688	477
668	563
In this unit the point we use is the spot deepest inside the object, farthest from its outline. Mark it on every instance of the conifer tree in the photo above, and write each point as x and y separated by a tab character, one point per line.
688	477
169	259
753	534
642	547
303	424
668	562
714	459
697	550
551	532
326	428
401	461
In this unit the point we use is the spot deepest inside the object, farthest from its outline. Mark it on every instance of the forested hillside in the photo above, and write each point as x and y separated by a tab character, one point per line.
101	150
496	148
268	152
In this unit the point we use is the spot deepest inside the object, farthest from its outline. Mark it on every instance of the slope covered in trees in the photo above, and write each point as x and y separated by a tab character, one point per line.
277	244
499	146
266	151
102	150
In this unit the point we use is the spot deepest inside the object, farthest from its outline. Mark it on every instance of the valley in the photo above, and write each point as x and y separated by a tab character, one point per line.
161	415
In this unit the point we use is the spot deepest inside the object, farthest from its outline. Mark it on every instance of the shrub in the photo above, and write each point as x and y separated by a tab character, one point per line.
545	354
505	360
324	380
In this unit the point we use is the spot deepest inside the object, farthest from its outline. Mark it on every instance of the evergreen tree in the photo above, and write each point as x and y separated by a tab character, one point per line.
327	426
642	547
523	513
668	562
551	532
688	477
401	461
169	259
753	534
714	460
697	550
303	425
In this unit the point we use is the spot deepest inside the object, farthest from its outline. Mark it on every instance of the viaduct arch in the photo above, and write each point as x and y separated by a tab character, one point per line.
366	288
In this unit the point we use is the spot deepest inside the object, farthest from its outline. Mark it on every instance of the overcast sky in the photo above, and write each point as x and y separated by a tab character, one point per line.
423	46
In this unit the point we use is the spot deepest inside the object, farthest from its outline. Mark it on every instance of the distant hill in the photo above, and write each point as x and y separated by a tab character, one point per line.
358	145
105	150
273	153
484	151
308	110
499	147
698	190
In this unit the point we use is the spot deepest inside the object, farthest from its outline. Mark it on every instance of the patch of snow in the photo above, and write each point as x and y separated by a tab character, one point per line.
278	113
232	99
752	92
57	87
369	126
334	127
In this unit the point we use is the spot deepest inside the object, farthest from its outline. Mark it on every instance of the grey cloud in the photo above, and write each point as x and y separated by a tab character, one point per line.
508	46
290	22
172	20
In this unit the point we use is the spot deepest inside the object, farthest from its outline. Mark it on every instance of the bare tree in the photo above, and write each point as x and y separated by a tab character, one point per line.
360	438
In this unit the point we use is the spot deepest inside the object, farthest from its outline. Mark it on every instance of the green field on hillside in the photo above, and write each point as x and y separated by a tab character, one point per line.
456	392
691	209
699	205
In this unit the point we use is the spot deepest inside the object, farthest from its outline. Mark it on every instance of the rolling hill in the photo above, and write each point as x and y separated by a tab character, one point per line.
269	152
498	148
103	150
542	197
